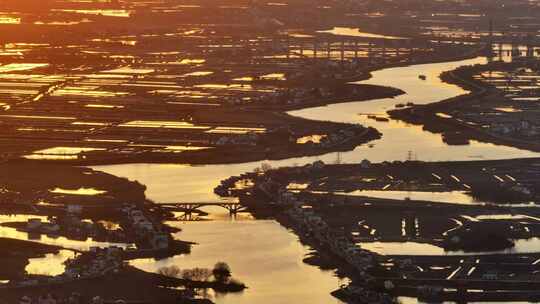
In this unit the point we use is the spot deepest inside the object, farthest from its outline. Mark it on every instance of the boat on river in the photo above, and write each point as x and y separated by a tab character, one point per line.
378	118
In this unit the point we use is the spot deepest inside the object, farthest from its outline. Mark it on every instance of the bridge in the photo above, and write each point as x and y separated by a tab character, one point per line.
326	46
320	46
189	208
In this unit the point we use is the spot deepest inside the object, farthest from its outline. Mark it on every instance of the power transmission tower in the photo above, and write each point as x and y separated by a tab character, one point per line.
410	155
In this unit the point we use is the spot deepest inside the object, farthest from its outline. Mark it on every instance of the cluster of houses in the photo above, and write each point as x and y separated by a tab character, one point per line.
333	69
521	127
74	298
341	136
73	226
253	138
305	220
313	226
95	263
360	294
149	234
227	187
46	299
289	96
265	184
248	139
335	138
286	136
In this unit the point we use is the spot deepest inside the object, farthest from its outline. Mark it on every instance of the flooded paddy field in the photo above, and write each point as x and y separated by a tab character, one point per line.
174	79
452	183
124	112
446	22
414	241
466	187
204	82
195	183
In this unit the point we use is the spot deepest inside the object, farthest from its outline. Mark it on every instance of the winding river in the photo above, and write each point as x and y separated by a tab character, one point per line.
264	255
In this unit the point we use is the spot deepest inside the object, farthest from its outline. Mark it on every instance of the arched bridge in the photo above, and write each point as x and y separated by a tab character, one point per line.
188	208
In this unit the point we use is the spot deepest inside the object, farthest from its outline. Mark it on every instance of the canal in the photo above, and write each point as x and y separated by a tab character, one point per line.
264	255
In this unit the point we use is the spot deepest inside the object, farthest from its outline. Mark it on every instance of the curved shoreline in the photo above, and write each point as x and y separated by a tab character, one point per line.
425	115
183	172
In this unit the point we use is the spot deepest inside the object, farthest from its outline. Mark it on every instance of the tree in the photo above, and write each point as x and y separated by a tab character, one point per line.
170	271
265	167
221	272
197	274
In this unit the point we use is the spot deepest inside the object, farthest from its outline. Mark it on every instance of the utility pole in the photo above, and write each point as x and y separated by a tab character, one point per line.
315	48
490	32
338	159
410	155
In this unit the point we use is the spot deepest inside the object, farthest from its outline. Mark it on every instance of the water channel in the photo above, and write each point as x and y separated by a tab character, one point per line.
267	257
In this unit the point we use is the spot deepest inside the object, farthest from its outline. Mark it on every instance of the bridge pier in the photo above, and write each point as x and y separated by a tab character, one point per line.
288	47
185	217
328	49
412	225
370	52
315	48
383	54
342	51
189	208
234	209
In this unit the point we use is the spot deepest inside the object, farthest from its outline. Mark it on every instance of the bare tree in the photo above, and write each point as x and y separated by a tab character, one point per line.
197	274
170	271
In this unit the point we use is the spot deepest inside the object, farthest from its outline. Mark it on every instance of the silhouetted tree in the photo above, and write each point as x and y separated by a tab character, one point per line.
221	272
196	274
170	271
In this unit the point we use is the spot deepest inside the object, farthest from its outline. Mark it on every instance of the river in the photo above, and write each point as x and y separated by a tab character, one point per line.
264	255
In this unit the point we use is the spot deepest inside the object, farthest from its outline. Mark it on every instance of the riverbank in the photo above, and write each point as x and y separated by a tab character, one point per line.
458	120
157	289
217	156
26	183
304	199
168	183
16	253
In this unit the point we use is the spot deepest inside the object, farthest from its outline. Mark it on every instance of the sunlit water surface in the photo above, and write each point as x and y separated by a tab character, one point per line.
416	248
262	253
